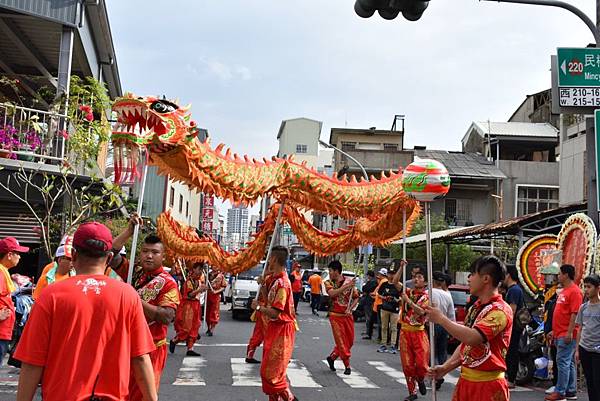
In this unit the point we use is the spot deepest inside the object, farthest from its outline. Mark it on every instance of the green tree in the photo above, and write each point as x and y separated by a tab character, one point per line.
461	255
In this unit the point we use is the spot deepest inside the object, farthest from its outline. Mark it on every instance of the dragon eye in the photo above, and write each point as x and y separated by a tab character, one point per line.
163	106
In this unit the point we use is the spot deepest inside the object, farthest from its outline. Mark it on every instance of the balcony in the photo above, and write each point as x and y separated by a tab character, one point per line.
375	161
32	135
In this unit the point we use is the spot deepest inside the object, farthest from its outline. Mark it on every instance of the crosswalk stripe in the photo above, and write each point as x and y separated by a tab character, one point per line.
355	380
299	375
245	374
388	370
189	373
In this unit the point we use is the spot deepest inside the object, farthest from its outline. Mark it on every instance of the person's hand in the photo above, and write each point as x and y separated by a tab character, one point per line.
402	264
203	287
4	313
568	338
260	280
434	314
405	297
254	304
577	355
134	220
550	338
437	372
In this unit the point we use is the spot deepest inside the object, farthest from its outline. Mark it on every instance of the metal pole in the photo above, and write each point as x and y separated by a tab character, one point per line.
272	244
404	248
205	303
563	5
430	281
366	247
136	230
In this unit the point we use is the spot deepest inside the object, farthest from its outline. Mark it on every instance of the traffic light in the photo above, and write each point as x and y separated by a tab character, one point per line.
412	10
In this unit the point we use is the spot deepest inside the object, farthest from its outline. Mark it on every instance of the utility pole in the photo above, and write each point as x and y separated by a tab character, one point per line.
590	138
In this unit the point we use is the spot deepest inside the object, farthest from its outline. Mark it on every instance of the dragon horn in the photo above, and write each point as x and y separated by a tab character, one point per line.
219	148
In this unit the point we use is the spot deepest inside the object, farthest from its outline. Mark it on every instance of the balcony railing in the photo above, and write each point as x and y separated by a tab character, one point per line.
32	135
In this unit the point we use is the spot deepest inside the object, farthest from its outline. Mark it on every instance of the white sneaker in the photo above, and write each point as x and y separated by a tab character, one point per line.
550	390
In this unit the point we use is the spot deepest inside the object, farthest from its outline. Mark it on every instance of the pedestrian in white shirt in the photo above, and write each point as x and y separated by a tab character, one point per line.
443	301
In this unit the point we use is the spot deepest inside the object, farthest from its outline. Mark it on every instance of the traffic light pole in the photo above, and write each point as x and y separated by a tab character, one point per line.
590	141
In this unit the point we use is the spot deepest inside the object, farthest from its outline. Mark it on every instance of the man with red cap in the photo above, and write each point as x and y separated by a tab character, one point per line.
10	254
86	333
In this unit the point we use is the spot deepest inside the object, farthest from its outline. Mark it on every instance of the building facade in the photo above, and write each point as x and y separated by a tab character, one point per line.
237	227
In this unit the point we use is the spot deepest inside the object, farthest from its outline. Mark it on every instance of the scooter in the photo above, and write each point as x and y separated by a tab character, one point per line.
531	347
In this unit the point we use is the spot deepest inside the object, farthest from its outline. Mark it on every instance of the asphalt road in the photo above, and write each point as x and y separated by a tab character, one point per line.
221	375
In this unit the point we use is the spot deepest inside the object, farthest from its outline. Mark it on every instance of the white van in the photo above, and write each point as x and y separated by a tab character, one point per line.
243	290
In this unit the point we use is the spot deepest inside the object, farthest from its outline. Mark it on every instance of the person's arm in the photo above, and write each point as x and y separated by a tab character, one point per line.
571	328
335	292
579	322
396	280
144	377
120	240
451	363
160	314
29	378
418	310
464	334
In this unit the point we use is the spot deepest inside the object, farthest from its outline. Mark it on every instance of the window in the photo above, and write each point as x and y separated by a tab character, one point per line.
301	148
390	146
348	146
535	199
458	212
171	197
180	203
187	209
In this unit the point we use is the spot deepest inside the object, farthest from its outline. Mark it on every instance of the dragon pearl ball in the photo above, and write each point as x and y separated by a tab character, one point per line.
426	180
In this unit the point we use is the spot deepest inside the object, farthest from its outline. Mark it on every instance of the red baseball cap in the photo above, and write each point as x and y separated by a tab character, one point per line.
10	244
93	231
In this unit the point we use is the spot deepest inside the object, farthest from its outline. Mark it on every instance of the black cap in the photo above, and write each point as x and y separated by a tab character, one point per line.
439	276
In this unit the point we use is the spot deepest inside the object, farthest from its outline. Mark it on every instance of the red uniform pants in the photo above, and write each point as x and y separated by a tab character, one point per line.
258	334
342	327
414	353
277	351
158	357
188	321
213	303
495	390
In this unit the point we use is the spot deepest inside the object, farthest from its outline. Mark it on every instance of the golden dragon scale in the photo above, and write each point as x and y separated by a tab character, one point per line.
169	135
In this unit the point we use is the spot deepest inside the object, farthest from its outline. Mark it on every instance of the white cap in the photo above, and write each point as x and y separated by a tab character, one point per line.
315	269
123	251
60	251
383	271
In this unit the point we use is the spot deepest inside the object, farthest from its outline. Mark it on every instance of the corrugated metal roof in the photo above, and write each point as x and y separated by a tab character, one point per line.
542	130
465	165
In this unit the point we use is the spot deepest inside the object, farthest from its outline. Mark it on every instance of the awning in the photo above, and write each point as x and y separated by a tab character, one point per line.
434	235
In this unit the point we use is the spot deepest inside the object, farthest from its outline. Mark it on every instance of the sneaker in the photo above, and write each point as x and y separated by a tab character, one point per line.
330	363
555	396
422	387
347	371
411	397
393	350
252	360
438	384
550	390
366	337
382	348
209	333
191	352
172	345
571	396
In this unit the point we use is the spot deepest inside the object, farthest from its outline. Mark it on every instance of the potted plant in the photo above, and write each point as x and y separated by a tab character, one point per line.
9	141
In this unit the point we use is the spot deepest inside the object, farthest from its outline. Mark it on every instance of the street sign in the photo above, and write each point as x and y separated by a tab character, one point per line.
597	135
578	77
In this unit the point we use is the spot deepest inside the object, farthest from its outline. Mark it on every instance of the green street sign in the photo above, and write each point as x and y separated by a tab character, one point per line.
578	67
597	132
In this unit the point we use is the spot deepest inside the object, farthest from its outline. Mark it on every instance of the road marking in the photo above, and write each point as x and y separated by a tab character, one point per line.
355	380
388	370
299	375
245	374
189	373
215	345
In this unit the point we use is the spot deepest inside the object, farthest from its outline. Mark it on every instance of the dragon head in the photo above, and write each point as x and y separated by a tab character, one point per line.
147	122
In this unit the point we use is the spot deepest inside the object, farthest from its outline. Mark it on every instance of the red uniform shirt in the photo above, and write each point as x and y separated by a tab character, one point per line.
82	330
280	298
340	303
297	284
494	321
6	325
567	304
158	288
408	314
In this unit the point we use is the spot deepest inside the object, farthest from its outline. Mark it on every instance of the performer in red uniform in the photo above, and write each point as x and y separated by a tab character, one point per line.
344	297
160	297
188	318
485	337
414	344
213	299
281	329
261	321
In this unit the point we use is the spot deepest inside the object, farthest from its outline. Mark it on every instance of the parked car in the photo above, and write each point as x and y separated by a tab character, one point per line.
460	297
243	290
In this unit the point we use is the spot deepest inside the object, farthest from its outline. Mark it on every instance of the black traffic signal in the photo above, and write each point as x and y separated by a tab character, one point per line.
412	10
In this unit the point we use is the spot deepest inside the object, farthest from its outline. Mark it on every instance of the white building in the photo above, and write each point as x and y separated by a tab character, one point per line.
237	226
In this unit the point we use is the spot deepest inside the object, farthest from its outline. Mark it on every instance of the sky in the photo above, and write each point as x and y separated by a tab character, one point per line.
246	65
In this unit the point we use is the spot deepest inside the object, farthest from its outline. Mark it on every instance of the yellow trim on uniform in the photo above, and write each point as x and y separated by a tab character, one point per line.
408	327
160	343
474	375
336	314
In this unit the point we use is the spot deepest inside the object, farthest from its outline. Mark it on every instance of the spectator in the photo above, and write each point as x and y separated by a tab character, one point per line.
84	313
414	271
514	298
447	282
443	301
368	299
58	270
381	279
296	280
390	296
563	332
10	255
316	283
588	337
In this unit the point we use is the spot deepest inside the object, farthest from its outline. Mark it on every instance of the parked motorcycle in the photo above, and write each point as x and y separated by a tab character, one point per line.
531	346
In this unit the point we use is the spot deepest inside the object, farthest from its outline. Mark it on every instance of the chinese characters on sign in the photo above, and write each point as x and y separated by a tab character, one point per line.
579	77
207	215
